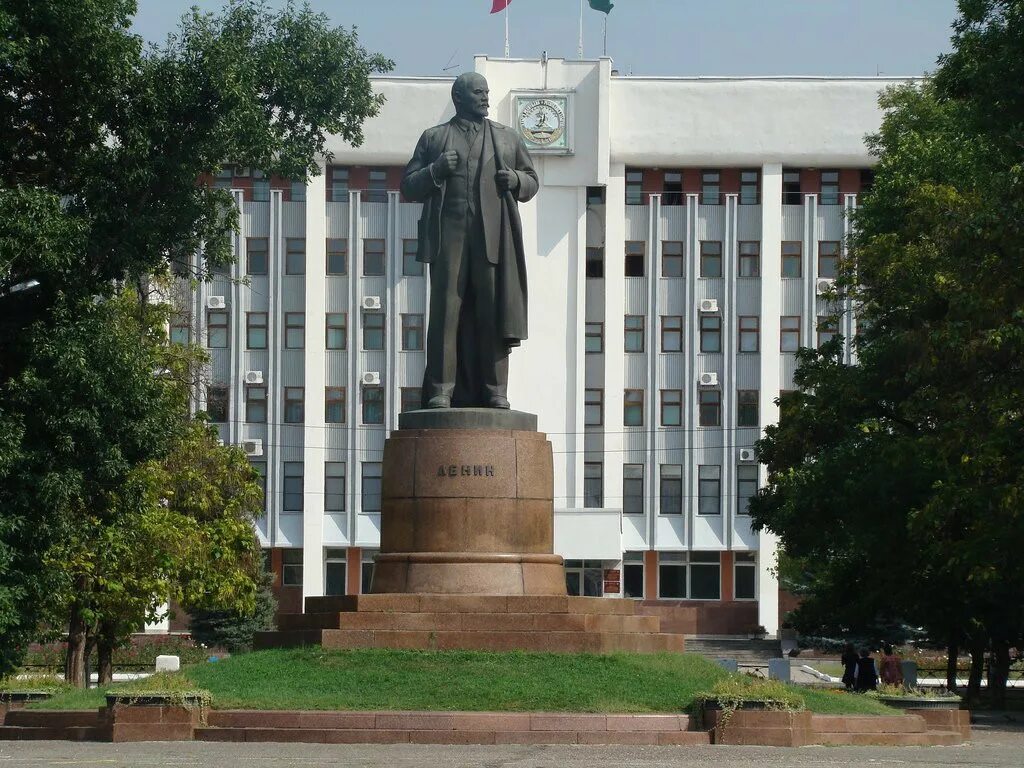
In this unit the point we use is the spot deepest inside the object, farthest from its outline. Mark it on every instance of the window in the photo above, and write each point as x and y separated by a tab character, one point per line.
593	407
180	332
709	489
867	180
671	407
710	333
256	330
594	340
710	189
671	333
293	478
634	333
710	258
746	408
298	192
217	402
334	405
261	470
339	185
337	330
377	188
828	259
635	258
710	407
260	187
673	189
828	327
595	195
373	405
294	330
373	330
337	255
790	330
672	575
217	329
371	487
633	408
791	188
746	487
829	188
632	489
291	568
633	575
584	578
745	580
294	256
671	258
634	187
670	491
256	255
373	257
412	332
334	486
593	484
595	262
334	572
705	576
410	250
222	179
294	405
750	187
256	404
411	399
750	258
366	570
750	333
792	258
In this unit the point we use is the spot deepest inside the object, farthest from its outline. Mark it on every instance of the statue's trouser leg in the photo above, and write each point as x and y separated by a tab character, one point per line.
448	283
491	354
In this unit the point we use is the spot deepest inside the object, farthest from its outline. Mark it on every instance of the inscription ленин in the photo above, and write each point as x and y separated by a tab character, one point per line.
465	470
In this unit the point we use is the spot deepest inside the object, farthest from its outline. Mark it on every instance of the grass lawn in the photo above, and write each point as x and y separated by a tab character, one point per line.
371	679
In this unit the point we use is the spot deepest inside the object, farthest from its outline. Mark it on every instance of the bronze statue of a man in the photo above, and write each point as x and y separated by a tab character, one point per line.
470	173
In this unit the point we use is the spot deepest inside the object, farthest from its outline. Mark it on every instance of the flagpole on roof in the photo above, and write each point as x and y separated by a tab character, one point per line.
506	30
579	48
605	34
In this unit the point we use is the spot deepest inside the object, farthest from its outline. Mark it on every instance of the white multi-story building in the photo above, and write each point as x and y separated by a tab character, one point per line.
677	249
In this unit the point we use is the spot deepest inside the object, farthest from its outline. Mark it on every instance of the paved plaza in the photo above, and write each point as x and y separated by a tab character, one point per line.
998	743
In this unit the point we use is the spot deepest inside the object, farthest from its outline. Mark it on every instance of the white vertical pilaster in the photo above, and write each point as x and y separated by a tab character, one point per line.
809	322
614	338
353	468
849	326
392	317
691	348
771	305
235	318
652	474
730	269
315	357
577	365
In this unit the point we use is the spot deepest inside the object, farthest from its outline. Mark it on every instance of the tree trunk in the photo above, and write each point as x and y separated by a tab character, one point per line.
999	673
105	655
74	661
977	668
952	654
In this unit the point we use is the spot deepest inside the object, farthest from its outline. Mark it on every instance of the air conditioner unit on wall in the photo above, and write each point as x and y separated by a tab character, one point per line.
371	302
708	379
253	447
709	305
825	284
748	454
371	378
254	377
215	302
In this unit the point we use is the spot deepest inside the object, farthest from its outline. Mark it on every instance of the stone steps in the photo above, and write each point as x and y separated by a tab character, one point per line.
48	718
926	739
473	622
744	650
41	733
442	603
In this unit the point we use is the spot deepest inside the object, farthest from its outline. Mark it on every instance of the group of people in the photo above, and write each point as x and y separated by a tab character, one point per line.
860	673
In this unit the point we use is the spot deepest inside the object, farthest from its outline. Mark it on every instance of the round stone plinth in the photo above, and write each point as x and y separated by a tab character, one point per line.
469	573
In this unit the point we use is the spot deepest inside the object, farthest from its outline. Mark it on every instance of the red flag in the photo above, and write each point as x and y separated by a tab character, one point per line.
499	5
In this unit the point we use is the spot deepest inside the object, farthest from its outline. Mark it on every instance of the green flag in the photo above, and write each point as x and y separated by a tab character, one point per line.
604	6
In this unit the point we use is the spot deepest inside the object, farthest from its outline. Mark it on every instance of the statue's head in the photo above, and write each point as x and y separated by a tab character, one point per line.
470	96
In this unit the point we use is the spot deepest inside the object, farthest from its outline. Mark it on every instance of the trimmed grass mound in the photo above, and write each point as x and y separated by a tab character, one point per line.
374	679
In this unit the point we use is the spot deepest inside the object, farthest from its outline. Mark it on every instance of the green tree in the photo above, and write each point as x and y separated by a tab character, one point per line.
234	630
911	462
101	147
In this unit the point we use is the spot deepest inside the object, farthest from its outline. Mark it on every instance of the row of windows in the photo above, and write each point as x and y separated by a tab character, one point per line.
681	575
335	580
709	407
257	256
294	404
748	264
748	190
670	488
336	329
292	492
748	330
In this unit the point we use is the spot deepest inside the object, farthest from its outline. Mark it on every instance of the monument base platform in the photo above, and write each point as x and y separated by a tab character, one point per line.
548	623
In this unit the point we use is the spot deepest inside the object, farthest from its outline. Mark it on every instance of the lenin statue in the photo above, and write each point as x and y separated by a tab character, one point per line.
470	174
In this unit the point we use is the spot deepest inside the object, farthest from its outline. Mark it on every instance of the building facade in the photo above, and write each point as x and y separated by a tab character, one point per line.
684	231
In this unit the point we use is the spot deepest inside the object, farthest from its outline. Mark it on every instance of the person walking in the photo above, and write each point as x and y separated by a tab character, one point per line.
867	676
889	667
849	662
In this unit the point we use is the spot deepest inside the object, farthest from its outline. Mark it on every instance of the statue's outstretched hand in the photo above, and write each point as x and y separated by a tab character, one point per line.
506	181
445	164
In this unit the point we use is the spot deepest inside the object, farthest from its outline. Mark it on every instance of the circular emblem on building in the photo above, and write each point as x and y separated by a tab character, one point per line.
542	121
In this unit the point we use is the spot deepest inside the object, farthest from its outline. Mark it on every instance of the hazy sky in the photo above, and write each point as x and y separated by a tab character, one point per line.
648	37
